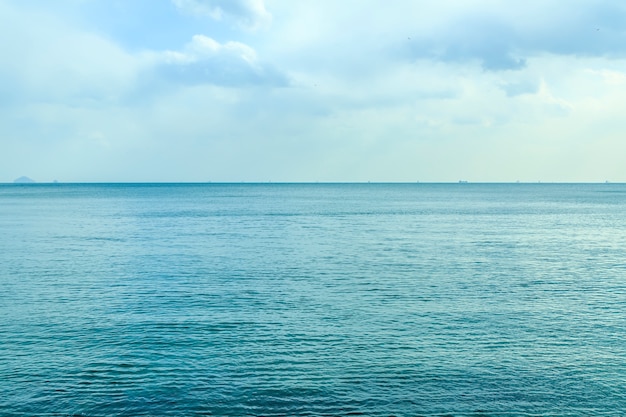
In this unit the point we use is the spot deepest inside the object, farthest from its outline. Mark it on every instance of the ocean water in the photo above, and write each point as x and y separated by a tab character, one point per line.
313	300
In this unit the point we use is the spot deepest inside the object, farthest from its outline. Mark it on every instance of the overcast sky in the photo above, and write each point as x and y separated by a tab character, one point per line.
313	90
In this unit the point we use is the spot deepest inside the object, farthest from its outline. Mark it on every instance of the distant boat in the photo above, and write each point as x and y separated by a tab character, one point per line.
462	182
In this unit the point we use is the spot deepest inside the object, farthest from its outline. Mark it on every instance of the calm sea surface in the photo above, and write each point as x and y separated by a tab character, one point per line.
313	300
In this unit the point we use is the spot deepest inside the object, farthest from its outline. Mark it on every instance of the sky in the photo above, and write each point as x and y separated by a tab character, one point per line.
313	90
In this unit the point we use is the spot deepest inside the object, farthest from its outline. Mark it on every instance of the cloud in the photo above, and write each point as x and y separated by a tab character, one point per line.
517	88
250	14
504	37
489	42
66	63
403	90
57	61
206	61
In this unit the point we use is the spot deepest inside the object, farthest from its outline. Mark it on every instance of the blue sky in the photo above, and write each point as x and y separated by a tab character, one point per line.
312	90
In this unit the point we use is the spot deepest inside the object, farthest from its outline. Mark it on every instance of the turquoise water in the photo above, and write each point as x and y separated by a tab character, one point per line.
313	300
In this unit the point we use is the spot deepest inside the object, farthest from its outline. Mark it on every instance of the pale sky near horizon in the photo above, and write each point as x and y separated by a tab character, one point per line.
313	90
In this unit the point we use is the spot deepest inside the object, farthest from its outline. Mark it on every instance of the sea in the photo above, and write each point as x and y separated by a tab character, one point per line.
313	299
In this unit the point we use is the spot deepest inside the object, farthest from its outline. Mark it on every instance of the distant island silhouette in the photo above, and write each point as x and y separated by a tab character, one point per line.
24	180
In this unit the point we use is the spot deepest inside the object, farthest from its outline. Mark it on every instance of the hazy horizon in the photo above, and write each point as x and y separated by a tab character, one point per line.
462	182
312	91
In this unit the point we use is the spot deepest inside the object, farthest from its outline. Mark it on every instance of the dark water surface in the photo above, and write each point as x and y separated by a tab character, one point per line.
313	299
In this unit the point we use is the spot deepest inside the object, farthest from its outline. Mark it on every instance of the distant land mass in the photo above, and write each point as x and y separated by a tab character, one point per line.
24	180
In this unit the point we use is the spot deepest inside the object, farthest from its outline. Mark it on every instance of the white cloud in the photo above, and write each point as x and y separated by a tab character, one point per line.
502	36
206	61
62	63
59	62
407	90
250	14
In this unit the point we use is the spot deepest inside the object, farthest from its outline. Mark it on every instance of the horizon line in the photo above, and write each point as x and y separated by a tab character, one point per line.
461	182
